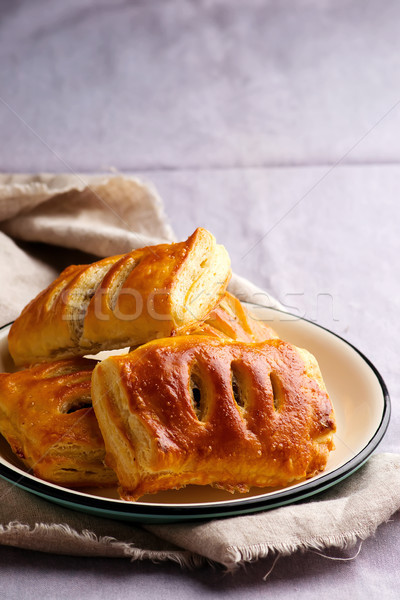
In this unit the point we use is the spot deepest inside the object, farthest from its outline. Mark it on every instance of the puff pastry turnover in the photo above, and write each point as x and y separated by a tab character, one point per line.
127	300
47	418
232	320
200	410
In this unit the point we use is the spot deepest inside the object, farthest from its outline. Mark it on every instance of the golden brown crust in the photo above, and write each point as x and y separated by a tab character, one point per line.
125	300
199	410
232	320
47	418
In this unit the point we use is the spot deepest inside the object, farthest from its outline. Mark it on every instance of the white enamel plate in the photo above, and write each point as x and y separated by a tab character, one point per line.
362	408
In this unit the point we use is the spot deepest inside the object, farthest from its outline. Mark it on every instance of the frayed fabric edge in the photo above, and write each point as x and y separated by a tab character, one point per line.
39	538
21	535
239	556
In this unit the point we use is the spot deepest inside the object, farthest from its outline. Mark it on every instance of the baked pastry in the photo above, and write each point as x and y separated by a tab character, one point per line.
127	300
200	410
230	319
46	416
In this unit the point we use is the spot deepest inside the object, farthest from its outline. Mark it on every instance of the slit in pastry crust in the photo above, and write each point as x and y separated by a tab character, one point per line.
198	393
277	390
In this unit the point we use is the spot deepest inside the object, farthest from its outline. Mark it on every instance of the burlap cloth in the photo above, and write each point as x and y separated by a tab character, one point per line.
108	215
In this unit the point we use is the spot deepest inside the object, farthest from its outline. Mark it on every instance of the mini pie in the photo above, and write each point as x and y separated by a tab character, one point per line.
46	416
125	300
201	410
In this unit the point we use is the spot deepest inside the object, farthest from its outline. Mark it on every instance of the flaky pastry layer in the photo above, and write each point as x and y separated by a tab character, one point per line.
231	320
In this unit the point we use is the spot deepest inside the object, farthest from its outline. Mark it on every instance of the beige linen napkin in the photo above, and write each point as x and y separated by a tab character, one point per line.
105	215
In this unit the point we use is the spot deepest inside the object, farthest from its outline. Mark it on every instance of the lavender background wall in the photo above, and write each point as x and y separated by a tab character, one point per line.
275	125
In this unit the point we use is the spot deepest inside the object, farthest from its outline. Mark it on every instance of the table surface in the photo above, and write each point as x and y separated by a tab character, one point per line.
276	127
